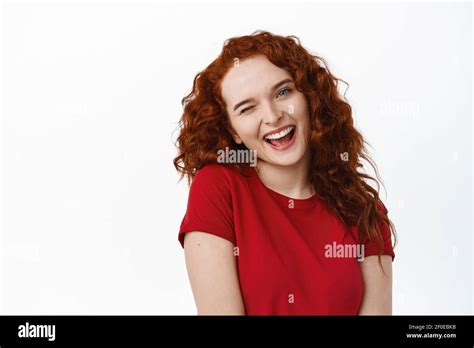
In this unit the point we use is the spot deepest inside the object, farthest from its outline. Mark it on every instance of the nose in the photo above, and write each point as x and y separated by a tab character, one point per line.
271	113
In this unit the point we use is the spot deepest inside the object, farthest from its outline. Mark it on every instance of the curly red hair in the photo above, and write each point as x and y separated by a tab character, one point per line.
205	128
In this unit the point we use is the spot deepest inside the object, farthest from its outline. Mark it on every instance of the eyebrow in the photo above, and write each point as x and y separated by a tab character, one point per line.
282	82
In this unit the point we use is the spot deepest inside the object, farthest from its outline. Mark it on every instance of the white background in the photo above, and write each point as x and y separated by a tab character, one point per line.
91	204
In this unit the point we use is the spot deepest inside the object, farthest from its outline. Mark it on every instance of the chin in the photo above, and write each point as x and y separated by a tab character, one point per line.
286	160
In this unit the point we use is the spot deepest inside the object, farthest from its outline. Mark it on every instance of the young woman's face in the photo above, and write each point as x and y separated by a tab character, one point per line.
266	111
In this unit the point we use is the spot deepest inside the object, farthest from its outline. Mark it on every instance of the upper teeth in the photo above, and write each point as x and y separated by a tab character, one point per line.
281	134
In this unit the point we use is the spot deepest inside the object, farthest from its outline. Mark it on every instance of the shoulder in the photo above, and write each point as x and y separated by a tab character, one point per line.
212	170
216	174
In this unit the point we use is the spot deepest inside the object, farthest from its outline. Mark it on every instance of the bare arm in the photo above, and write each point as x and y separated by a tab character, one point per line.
377	298
212	271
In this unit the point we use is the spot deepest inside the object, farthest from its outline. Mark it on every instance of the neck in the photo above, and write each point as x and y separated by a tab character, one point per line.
291	181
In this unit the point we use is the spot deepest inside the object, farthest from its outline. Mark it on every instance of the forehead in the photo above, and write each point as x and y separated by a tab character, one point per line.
249	77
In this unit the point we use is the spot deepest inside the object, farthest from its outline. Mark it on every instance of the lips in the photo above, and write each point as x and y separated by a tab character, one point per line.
281	141
279	133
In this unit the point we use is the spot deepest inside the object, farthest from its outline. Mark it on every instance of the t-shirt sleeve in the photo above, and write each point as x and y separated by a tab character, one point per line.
371	247
209	207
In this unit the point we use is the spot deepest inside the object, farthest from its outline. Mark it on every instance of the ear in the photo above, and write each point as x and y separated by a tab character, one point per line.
237	138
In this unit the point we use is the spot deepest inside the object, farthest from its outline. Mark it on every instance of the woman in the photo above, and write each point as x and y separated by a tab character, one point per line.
299	232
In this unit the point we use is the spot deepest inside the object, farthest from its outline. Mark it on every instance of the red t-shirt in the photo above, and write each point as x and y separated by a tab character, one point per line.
284	244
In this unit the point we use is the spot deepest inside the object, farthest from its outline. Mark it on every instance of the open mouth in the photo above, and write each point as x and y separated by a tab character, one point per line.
283	139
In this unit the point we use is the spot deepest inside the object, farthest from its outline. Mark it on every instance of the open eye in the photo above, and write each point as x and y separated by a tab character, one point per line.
283	92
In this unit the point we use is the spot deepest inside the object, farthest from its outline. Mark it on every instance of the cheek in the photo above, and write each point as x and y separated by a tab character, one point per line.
248	130
297	106
301	114
300	105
